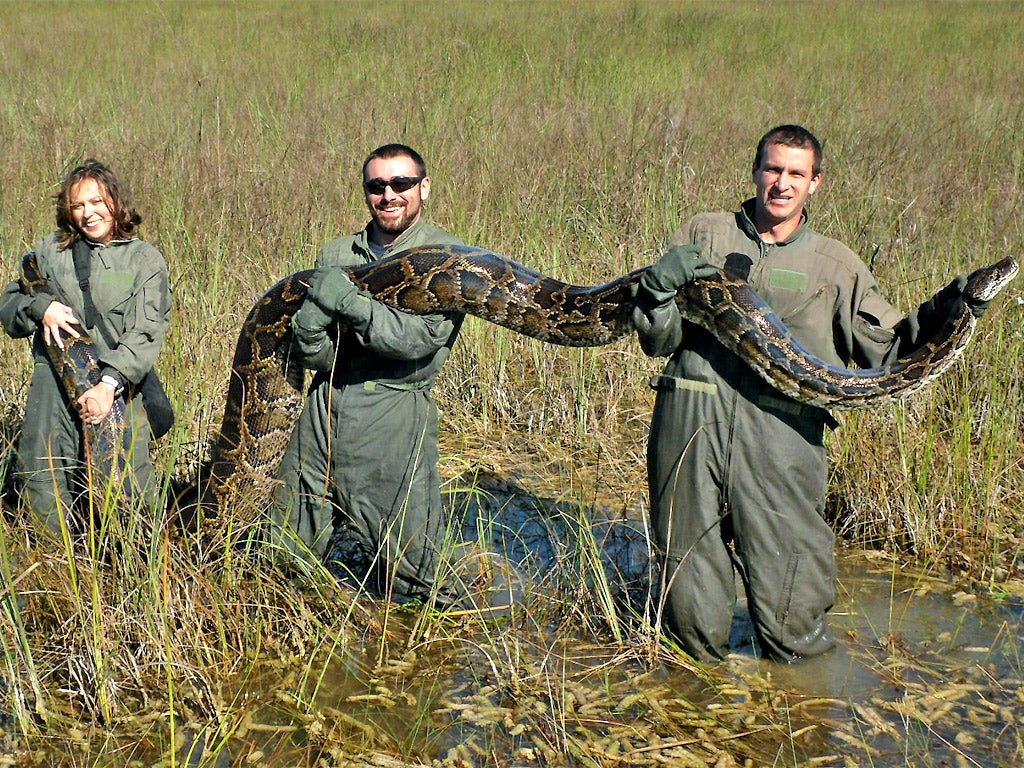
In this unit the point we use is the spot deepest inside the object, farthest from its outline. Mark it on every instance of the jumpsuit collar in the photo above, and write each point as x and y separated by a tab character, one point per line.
745	219
395	247
93	244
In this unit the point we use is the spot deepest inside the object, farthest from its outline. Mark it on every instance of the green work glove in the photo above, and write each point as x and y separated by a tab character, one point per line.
677	266
330	291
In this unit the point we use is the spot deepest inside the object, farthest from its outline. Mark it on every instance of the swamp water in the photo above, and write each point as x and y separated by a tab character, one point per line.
923	675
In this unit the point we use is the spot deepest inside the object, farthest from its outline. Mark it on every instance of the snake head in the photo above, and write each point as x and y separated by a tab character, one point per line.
983	284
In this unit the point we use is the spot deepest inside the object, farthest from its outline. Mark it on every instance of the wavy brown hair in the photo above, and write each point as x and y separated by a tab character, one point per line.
119	201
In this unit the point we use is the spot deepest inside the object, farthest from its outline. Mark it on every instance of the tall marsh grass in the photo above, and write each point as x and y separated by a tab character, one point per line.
574	137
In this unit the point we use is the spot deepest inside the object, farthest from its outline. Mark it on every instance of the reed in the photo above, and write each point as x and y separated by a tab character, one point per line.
573	137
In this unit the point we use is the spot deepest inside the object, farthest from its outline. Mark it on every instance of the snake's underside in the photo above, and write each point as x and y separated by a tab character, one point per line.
265	391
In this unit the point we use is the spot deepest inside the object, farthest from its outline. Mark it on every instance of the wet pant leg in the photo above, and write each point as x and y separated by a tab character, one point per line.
301	518
782	539
389	489
49	451
140	483
687	458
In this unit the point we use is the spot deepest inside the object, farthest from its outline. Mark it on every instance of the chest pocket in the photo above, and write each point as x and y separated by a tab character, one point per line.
787	293
808	316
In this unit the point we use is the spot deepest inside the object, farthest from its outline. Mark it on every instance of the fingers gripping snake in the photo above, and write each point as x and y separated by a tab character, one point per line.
266	386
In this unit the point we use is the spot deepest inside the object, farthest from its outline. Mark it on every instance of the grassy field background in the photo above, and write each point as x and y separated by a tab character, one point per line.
573	137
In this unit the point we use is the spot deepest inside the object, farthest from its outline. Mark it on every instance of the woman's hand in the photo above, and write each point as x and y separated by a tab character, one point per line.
95	404
59	317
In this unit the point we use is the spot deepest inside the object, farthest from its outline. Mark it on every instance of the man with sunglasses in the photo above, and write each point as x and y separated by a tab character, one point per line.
361	467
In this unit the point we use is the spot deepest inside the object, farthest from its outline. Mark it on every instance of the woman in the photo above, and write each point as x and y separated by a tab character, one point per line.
125	308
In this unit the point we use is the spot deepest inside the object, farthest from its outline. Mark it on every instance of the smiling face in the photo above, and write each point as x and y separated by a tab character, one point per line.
785	179
393	211
91	213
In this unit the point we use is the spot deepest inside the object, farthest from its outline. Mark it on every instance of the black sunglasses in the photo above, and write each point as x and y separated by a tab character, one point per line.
398	184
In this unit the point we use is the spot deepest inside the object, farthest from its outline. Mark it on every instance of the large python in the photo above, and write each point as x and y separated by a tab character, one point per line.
266	386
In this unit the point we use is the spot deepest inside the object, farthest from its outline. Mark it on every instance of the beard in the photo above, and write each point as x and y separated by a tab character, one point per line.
396	222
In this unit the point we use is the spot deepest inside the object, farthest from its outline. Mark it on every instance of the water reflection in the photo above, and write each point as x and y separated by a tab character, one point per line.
545	538
884	613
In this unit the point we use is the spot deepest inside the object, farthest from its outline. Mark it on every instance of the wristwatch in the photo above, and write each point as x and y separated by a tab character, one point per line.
115	383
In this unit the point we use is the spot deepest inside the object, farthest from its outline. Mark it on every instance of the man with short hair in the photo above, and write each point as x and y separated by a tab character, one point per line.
737	471
363	456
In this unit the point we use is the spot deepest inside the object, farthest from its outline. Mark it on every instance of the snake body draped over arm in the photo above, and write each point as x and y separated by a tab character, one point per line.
265	391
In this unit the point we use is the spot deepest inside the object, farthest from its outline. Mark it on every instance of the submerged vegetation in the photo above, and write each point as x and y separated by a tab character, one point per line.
573	137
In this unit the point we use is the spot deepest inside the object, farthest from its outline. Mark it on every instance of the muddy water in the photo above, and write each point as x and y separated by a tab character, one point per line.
893	625
923	675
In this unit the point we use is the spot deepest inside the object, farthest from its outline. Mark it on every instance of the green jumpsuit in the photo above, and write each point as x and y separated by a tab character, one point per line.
737	472
364	452
131	291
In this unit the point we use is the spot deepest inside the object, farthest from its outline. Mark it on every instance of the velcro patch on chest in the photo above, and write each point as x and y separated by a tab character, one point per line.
788	280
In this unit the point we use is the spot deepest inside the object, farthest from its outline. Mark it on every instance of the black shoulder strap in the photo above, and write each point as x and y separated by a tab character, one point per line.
81	253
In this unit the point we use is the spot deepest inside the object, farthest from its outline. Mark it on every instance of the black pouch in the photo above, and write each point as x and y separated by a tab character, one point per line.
158	406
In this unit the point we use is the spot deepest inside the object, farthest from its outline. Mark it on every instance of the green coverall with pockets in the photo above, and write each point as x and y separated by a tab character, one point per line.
131	292
737	471
364	453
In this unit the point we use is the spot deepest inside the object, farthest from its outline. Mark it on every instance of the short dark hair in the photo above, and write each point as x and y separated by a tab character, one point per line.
126	218
396	150
789	136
